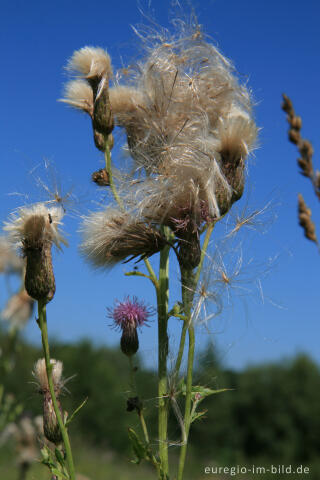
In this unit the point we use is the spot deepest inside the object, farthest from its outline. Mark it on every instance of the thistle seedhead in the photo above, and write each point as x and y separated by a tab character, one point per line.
78	94
35	229
112	236
10	262
40	374
18	309
94	65
50	423
187	120
90	62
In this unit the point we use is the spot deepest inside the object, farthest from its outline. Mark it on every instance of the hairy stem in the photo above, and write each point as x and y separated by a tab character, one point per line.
162	301
45	344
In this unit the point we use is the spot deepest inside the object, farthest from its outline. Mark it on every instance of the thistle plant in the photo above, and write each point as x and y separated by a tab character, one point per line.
189	128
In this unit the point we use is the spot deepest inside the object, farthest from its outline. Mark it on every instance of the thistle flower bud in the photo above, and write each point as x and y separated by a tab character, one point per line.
35	229
50	423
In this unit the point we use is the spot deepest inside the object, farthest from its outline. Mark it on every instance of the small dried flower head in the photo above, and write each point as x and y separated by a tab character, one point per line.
111	236
18	309
32	227
101	178
10	262
35	229
50	423
91	62
128	315
40	374
78	94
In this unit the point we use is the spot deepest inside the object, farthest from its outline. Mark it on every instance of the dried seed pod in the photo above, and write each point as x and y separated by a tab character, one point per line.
101	177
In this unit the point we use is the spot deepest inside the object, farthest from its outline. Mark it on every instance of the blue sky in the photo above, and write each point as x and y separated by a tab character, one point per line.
275	46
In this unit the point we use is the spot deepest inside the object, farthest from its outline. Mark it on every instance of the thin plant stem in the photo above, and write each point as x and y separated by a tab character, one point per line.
188	281
162	301
141	418
42	318
107	156
196	280
162	291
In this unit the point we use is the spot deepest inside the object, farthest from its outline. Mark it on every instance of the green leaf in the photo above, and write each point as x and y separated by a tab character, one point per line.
59	457
199	393
138	447
198	415
76	411
59	474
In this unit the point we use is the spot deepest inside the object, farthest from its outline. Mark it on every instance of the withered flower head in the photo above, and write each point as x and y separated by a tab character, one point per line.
10	262
50	423
18	309
35	229
112	236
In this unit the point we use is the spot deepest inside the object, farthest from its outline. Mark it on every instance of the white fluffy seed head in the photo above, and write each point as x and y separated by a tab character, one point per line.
40	374
111	236
18	309
184	105
78	94
91	62
9	260
35	225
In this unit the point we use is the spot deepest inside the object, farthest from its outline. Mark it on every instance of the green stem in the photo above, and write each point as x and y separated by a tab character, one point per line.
188	282
141	418
107	156
196	280
45	344
162	301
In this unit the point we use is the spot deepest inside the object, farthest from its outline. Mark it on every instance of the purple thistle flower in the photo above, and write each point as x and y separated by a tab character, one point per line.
130	314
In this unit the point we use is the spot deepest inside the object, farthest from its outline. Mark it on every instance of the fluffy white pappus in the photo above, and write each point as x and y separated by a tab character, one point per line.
111	236
78	94
236	134
91	62
179	104
10	262
18	309
35	224
40	374
124	101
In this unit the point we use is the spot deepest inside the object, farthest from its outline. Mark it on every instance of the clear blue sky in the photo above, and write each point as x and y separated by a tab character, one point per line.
273	44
